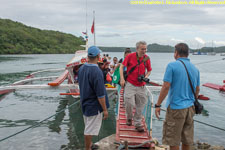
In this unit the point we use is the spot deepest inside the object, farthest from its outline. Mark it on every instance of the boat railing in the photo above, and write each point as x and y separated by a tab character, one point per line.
148	111
118	101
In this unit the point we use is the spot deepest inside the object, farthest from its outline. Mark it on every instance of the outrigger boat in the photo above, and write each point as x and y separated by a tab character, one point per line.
215	86
57	83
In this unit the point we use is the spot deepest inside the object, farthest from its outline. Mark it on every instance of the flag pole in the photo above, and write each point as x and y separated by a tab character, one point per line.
86	29
94	27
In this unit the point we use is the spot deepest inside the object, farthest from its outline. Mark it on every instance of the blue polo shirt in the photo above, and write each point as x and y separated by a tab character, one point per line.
180	94
91	84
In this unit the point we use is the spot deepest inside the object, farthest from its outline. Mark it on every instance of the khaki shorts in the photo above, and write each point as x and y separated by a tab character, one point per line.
93	124
179	127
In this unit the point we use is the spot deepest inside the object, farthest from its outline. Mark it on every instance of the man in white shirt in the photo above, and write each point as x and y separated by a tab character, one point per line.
113	65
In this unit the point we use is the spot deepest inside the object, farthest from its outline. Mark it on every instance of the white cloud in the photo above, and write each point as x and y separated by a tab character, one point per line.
176	40
219	43
201	41
120	24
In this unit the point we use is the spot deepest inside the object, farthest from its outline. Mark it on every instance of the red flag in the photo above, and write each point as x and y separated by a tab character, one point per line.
93	28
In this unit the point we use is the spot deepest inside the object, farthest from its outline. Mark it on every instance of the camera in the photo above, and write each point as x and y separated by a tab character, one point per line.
141	78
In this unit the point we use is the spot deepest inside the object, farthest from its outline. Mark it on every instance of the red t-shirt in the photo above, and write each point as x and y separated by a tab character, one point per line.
131	61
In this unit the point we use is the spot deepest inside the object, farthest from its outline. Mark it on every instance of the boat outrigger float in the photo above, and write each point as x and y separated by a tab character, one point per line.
215	86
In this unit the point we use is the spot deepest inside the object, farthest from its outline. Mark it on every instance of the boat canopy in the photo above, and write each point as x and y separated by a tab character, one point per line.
79	58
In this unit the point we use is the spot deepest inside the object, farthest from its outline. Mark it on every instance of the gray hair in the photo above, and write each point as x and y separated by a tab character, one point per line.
140	43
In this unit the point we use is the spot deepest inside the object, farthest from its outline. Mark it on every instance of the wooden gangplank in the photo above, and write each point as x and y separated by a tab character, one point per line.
129	133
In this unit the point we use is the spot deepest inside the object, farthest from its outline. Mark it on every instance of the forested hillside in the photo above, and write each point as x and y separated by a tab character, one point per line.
151	48
17	38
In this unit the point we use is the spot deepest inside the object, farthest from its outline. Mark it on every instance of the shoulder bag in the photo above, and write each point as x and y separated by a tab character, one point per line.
198	106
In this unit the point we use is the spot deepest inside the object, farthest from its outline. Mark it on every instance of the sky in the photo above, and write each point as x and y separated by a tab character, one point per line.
119	23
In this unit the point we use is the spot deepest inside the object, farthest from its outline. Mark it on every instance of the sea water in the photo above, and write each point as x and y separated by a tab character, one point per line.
24	108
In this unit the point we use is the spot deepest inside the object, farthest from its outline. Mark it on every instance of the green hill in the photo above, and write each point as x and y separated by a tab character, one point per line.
17	38
220	49
160	48
115	49
157	48
151	48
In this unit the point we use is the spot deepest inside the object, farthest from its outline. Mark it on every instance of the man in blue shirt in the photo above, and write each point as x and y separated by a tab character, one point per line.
93	96
179	125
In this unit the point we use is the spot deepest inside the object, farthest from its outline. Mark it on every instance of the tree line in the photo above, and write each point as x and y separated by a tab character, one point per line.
17	38
157	48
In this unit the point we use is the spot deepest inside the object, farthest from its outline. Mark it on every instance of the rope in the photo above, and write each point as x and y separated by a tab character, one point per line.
202	123
208	61
136	146
210	125
122	146
37	124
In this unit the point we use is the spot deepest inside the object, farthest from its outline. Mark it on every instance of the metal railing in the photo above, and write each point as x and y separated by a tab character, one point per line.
148	111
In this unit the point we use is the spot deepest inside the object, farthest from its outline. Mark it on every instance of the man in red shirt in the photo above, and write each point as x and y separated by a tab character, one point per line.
135	91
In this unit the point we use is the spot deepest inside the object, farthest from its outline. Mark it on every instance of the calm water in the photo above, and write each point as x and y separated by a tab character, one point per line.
22	109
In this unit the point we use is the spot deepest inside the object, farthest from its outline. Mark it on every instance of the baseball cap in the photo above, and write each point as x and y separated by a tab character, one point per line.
93	51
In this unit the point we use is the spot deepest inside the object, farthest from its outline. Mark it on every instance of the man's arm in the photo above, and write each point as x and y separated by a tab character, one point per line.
148	67
148	74
103	104
197	91
111	65
117	65
162	95
122	81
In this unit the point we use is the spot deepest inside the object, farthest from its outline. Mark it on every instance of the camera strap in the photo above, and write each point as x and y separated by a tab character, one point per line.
189	80
139	62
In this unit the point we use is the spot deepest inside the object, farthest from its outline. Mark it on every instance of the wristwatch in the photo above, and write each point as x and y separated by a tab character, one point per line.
157	106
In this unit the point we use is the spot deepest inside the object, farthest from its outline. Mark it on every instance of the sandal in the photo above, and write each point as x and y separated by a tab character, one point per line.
140	129
129	122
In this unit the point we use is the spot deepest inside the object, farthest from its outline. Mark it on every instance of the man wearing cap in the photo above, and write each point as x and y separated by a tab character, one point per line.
93	96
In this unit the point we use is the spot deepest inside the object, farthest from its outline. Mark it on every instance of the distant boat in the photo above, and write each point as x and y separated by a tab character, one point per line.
211	53
199	53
